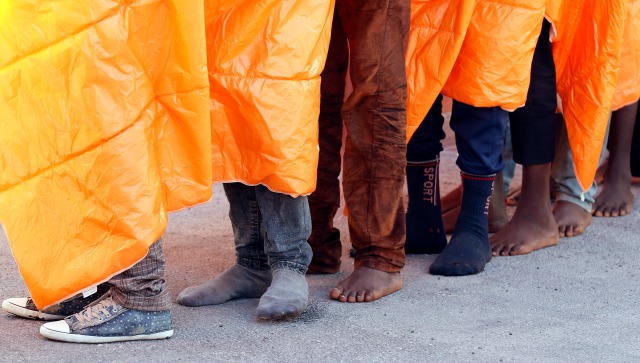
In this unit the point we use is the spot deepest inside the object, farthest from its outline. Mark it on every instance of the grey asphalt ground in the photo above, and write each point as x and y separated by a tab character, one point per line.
576	302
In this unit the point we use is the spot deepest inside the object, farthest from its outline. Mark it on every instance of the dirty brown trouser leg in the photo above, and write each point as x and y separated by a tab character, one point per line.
142	287
375	118
325	200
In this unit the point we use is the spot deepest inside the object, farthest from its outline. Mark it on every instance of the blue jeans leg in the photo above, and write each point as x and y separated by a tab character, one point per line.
270	229
246	220
479	137
285	229
426	142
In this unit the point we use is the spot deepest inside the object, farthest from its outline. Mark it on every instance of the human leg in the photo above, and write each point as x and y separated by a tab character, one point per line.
375	154
285	228
251	275
533	130
479	139
572	208
615	199
425	231
135	308
325	200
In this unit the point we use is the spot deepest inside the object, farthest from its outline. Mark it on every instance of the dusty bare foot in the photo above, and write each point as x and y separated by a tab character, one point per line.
615	200
526	232
366	284
572	219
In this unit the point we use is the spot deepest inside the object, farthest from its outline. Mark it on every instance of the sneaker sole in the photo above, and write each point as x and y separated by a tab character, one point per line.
77	338
23	312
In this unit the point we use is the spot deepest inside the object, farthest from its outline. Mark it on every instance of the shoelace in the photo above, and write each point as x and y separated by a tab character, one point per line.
98	311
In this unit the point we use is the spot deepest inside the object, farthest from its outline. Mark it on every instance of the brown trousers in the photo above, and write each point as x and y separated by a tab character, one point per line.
370	37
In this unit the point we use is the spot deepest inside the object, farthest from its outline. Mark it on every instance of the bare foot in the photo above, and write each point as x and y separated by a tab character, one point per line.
615	200
572	219
525	233
366	284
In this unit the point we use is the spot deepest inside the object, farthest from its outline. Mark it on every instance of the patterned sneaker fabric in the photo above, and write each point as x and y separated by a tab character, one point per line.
106	318
71	306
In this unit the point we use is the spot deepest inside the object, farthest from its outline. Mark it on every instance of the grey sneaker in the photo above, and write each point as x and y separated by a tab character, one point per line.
105	321
25	308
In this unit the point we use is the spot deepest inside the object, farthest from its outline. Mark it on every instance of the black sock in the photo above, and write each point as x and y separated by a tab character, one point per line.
469	249
425	232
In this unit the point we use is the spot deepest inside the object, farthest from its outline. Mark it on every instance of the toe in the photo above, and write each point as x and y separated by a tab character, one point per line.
569	231
516	250
369	296
562	231
623	210
335	293
360	296
352	297
343	297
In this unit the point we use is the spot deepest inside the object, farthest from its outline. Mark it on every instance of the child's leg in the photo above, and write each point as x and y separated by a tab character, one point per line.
250	276
616	198
325	200
285	227
533	129
479	139
136	307
425	232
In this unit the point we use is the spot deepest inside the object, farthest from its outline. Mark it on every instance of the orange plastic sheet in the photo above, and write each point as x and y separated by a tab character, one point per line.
587	56
628	89
108	121
476	51
265	90
104	128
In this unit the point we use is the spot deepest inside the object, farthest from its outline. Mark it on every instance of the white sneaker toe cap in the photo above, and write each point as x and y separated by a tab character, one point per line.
16	301
59	326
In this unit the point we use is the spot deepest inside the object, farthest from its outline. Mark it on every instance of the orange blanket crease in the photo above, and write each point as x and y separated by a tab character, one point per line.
115	112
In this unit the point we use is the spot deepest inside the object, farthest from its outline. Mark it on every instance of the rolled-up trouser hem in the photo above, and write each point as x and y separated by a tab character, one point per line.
142	287
586	204
292	266
376	264
252	264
